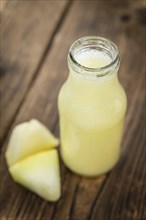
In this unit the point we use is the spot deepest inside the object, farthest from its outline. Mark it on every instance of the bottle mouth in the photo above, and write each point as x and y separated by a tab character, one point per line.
96	44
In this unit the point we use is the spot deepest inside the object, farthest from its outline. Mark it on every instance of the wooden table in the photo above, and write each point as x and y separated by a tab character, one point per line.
35	39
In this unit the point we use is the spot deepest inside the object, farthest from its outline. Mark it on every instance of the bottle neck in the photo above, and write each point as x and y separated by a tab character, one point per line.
93	58
82	86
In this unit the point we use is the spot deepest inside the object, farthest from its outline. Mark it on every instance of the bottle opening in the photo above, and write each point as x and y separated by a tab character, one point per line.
94	56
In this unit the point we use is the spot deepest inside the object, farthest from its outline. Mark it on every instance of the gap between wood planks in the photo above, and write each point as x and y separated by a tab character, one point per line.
36	72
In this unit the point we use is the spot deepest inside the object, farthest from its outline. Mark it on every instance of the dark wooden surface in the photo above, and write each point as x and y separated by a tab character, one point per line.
35	38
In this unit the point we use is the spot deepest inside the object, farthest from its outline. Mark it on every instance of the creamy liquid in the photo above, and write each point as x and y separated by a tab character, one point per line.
93	59
91	118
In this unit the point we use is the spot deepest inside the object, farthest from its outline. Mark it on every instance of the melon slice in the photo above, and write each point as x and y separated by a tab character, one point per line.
40	174
27	139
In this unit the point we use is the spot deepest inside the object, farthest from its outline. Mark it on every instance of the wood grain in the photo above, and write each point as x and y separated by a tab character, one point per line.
119	195
27	31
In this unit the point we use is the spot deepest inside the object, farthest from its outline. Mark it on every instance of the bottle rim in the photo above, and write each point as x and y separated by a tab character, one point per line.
98	43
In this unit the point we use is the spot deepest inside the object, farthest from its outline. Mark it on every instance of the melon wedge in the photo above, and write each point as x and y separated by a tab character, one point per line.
27	139
33	161
40	174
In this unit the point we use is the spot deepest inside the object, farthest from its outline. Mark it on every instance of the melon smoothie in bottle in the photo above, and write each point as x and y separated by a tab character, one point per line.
92	106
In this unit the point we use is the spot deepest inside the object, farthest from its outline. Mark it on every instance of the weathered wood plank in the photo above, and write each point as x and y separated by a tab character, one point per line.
101	198
27	31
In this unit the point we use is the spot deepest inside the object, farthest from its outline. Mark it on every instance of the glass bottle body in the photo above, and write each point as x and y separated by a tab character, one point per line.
92	112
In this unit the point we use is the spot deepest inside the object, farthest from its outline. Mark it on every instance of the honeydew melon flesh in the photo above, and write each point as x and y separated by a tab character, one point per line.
40	174
29	138
33	161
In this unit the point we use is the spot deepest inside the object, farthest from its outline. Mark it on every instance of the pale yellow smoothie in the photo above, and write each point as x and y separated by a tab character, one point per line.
92	107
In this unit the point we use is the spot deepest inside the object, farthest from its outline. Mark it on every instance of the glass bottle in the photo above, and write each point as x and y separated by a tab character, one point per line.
92	106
